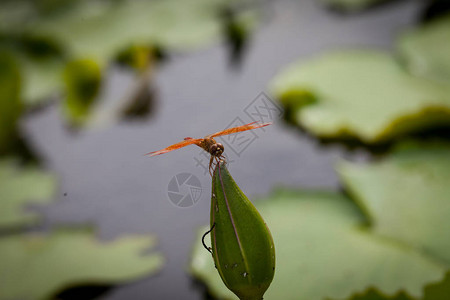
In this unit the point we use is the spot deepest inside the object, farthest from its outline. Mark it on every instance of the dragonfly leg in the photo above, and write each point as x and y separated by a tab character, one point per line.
211	165
217	160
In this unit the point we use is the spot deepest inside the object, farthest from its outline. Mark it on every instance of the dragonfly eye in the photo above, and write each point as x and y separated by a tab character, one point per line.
216	149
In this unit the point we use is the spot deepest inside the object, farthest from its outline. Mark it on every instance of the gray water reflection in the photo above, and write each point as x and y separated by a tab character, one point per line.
110	183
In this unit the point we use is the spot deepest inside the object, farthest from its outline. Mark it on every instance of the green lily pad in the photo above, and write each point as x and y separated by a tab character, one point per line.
100	30
82	79
323	251
426	50
37	266
363	95
20	186
407	195
434	291
10	104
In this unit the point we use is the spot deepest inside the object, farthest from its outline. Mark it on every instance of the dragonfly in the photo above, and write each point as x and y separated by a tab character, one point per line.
209	144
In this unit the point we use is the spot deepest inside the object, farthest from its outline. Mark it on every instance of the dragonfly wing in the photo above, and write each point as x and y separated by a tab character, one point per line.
186	142
245	127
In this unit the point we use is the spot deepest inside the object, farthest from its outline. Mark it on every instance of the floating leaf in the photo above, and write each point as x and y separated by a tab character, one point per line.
36	266
82	78
434	291
407	195
140	57
10	104
323	251
19	187
426	50
242	246
360	94
101	30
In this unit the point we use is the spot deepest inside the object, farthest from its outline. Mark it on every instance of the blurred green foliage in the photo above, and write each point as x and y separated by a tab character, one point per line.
436	291
426	50
82	79
39	265
62	48
10	104
363	95
48	38
387	240
325	250
20	186
36	265
409	189
367	95
387	236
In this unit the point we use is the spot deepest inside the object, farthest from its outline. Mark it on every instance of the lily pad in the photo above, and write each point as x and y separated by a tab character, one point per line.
100	30
407	195
363	95
20	186
434	291
82	79
426	50
36	266
323	251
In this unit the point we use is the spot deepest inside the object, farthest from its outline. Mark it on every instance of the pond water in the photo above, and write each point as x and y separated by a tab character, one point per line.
106	181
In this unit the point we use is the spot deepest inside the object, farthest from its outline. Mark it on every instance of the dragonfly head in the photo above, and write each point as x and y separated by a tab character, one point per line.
216	149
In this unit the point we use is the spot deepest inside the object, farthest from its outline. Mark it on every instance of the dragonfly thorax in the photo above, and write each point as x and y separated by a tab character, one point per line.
211	146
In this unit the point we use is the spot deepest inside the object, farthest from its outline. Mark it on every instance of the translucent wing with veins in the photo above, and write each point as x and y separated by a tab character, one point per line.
237	129
186	142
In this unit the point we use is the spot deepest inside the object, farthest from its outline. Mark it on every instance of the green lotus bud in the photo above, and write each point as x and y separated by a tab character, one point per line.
242	246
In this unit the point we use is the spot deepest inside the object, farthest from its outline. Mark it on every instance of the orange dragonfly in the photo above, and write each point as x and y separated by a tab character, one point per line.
209	144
